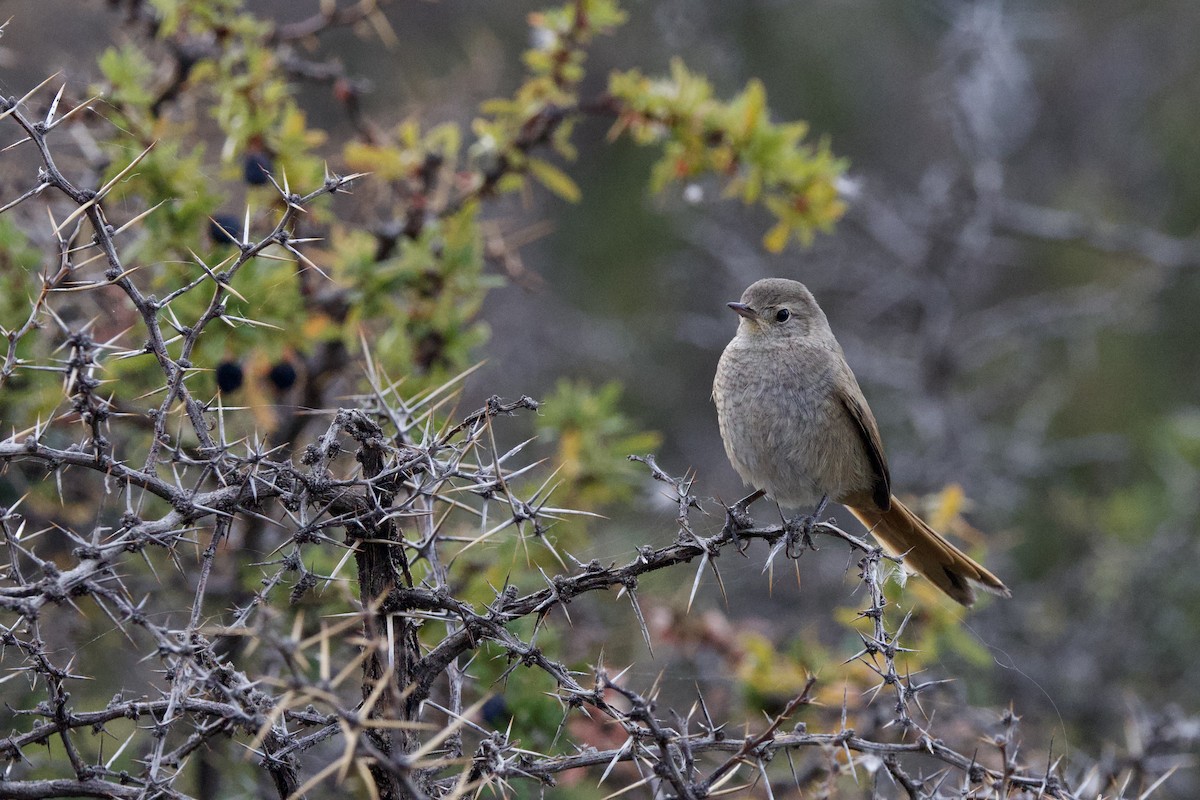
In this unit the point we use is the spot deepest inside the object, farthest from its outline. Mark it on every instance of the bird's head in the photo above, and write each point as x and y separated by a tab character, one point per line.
779	308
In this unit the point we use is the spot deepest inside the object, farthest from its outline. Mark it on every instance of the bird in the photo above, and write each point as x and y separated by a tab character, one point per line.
797	427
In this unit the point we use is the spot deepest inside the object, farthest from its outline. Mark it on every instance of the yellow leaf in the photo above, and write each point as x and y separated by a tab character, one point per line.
317	326
554	179
388	163
777	238
947	505
569	449
756	102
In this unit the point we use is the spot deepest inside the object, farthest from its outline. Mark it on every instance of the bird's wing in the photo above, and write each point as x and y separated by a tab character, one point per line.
864	423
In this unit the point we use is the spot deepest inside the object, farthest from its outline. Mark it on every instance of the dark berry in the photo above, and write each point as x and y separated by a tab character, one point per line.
223	229
256	168
229	376
495	712
282	375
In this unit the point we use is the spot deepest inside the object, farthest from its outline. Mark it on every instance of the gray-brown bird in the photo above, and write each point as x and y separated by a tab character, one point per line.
796	426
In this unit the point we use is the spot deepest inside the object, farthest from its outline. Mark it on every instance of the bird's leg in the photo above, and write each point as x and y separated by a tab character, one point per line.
803	526
739	517
820	509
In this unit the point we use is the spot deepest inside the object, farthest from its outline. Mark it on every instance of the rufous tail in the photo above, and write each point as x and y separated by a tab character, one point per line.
903	533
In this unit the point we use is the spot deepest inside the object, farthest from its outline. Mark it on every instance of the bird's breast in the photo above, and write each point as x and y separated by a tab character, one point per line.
783	428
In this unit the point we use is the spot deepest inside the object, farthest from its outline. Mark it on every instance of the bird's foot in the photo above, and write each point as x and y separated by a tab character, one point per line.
739	519
798	531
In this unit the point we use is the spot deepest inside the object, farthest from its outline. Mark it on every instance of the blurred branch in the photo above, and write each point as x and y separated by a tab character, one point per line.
332	16
1057	225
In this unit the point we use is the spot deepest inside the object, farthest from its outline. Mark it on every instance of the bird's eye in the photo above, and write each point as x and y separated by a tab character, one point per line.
783	315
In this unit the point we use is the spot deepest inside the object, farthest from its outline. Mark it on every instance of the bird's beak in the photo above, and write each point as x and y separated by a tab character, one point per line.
743	310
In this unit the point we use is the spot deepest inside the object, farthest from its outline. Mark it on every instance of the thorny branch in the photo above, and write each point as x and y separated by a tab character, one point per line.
380	688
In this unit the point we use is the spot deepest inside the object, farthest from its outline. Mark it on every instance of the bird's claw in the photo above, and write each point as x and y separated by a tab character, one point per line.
739	519
740	516
798	534
798	531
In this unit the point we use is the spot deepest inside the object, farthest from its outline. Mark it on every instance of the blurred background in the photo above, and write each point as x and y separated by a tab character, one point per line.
1016	285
